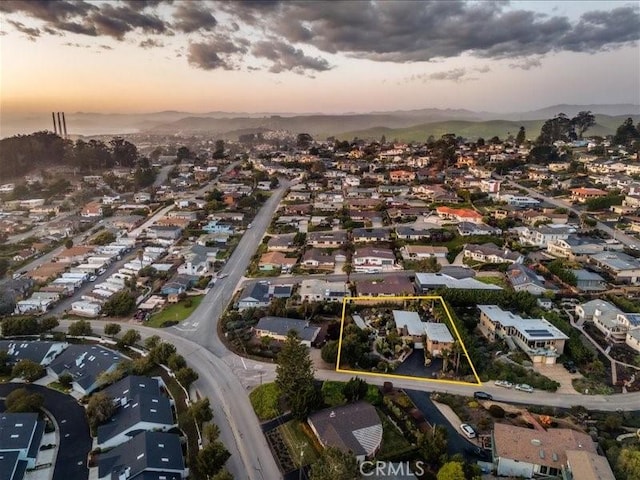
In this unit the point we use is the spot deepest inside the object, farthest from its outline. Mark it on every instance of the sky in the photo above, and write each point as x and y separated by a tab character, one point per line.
315	56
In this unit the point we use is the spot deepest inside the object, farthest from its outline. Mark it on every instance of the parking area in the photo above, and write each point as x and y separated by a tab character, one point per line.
414	366
558	373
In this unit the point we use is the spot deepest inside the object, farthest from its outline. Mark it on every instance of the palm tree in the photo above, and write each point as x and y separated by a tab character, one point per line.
348	269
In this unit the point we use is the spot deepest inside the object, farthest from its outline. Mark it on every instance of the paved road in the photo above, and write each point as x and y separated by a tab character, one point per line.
75	441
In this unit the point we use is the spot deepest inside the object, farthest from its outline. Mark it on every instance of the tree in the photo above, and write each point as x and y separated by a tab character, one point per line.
68	243
583	121
212	458
626	133
186	376
219	149
433	444
20	326
294	374
348	269
124	153
112	329
200	411
629	463
521	136
451	471
334	464
130	337
329	352
21	401
28	370
65	380
176	361
222	475
304	141
355	389
5	367
99	409
151	342
183	153
161	352
48	323
120	304
558	128
80	328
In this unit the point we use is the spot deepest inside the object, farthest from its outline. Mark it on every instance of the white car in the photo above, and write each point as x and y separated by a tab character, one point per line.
523	387
223	276
503	383
468	430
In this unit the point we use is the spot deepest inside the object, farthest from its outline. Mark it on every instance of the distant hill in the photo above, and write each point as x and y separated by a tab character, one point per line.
226	124
605	125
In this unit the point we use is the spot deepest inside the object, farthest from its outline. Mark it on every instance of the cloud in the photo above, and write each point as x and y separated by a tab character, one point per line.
455	74
527	63
286	57
407	31
150	43
190	17
31	33
106	47
207	56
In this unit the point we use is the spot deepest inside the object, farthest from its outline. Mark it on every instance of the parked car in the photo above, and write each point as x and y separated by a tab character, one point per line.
523	387
570	366
503	383
468	430
482	396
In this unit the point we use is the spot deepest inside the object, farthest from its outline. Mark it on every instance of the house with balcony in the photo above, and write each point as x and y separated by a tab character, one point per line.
576	248
543	235
622	267
538	338
316	290
582	194
374	260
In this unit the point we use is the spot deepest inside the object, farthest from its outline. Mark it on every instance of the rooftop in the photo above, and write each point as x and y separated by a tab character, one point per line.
282	326
438	332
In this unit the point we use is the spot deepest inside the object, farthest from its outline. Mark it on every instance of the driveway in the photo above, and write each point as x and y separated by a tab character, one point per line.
456	443
414	366
558	373
75	441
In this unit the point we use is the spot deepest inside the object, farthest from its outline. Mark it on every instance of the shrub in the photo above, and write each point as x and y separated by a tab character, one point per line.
496	411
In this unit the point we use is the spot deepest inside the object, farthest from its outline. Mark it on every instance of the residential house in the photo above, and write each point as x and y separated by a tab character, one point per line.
632	339
92	210
315	290
20	438
317	259
587	281
278	328
459	214
282	243
215	227
543	235
522	278
354	428
411	233
148	455
373	260
519	201
421	252
527	453
584	465
490	253
333	239
142	197
41	352
367	235
85	364
276	261
260	294
622	267
389	286
426	282
581	195
466	229
85	308
576	248
409	324
537	337
164	232
438	338
586	311
75	254
139	412
402	176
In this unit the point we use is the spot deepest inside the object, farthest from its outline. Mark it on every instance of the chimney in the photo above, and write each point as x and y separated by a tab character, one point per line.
55	128
59	125
64	126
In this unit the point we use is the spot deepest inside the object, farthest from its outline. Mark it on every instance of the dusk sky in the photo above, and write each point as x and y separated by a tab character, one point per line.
353	56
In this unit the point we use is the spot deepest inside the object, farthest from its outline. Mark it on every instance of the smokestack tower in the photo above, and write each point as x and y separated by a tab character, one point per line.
59	125
64	126
55	128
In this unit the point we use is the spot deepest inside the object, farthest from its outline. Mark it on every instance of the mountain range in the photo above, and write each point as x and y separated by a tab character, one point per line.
402	124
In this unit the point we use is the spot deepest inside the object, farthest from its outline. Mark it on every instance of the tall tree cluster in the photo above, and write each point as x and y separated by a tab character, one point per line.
566	129
23	153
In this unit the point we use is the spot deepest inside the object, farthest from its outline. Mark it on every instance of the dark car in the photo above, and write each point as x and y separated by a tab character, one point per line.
570	366
482	396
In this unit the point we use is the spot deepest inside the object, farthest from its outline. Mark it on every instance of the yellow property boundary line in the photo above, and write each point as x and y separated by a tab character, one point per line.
346	300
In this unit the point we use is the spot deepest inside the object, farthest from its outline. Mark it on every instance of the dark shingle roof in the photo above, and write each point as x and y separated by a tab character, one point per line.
282	326
10	467
85	363
149	451
22	350
131	385
19	430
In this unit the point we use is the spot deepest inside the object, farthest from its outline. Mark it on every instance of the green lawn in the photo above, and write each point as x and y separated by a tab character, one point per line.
394	445
264	400
332	393
176	312
58	386
297	440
